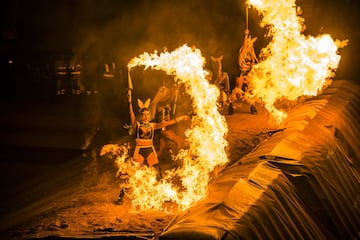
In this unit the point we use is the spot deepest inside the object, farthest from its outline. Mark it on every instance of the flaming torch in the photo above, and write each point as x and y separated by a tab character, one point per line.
130	85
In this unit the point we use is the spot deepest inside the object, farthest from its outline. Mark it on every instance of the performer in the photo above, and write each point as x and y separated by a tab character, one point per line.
167	134
144	131
221	80
247	58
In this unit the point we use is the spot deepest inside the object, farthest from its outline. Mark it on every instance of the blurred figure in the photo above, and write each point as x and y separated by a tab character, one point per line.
162	109
247	56
62	74
92	74
77	86
221	80
110	69
110	100
111	80
238	93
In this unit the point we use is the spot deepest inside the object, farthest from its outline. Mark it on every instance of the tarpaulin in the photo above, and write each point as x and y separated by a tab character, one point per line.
301	183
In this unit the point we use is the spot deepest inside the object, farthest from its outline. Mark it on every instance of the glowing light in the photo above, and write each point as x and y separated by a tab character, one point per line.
206	137
292	65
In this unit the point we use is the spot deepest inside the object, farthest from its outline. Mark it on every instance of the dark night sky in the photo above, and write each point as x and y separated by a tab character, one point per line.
128	28
135	27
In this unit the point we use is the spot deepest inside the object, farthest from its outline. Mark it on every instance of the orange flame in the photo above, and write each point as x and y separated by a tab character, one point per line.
206	137
292	64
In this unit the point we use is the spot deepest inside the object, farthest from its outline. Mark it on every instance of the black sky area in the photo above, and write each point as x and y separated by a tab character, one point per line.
130	28
127	28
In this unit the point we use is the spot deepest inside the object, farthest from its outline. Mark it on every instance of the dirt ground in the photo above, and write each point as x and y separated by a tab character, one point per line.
77	198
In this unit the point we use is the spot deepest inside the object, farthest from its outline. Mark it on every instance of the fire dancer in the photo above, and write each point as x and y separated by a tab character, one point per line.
163	108
247	58
144	132
221	80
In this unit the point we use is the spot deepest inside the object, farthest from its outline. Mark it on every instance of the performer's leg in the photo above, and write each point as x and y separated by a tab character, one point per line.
137	156
162	144
152	159
158	171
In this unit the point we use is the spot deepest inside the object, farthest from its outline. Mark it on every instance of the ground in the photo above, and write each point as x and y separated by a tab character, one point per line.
76	197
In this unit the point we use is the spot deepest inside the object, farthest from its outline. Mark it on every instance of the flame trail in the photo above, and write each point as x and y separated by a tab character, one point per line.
292	64
205	135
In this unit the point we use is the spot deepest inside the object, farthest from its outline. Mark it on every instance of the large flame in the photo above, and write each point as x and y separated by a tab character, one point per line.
292	65
206	136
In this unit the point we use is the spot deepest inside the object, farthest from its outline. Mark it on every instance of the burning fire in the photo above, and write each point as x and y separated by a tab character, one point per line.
205	136
292	65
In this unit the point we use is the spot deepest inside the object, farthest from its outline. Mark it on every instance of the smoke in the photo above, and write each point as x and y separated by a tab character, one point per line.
127	29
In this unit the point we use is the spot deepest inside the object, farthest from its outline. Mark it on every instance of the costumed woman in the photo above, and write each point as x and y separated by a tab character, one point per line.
144	130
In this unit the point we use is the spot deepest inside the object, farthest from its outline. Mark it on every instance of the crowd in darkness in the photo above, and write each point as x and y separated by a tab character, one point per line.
43	76
36	34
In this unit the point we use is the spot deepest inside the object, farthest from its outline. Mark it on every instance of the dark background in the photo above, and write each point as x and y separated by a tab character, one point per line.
35	32
127	28
39	129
